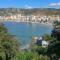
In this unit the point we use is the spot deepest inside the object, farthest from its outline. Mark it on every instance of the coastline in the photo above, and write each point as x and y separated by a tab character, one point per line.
33	23
44	23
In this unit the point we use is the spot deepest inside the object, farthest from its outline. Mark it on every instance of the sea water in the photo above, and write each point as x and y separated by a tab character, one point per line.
25	31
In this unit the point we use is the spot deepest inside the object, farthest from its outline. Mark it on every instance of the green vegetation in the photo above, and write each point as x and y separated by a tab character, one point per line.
8	44
48	37
10	50
30	56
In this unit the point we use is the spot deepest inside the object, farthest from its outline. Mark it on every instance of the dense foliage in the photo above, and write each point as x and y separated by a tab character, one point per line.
9	48
8	44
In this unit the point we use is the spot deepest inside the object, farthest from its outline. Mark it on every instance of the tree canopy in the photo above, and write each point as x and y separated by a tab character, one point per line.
8	44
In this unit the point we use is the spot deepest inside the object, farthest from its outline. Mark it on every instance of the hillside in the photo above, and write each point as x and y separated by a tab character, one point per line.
35	11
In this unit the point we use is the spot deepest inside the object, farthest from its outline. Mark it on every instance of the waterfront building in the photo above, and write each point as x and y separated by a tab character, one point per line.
45	43
40	42
30	18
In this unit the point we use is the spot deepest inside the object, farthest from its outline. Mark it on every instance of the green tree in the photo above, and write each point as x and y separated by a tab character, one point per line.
30	56
8	43
54	49
48	37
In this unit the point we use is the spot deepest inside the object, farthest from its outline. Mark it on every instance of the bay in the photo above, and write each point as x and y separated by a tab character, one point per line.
25	31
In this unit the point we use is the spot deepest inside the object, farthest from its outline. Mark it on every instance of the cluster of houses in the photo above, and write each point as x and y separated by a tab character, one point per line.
30	18
40	41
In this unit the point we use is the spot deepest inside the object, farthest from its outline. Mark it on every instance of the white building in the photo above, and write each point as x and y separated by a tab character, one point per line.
45	43
40	41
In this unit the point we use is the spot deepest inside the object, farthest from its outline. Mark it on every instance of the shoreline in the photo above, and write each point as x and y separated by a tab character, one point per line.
44	23
28	22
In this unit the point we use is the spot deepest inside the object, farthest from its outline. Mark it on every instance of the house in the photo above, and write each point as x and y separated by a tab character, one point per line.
44	43
40	42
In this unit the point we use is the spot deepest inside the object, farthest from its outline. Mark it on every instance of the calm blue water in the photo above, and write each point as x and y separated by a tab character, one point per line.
25	31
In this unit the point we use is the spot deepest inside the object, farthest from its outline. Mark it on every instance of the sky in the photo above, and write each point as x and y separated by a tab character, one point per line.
29	3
